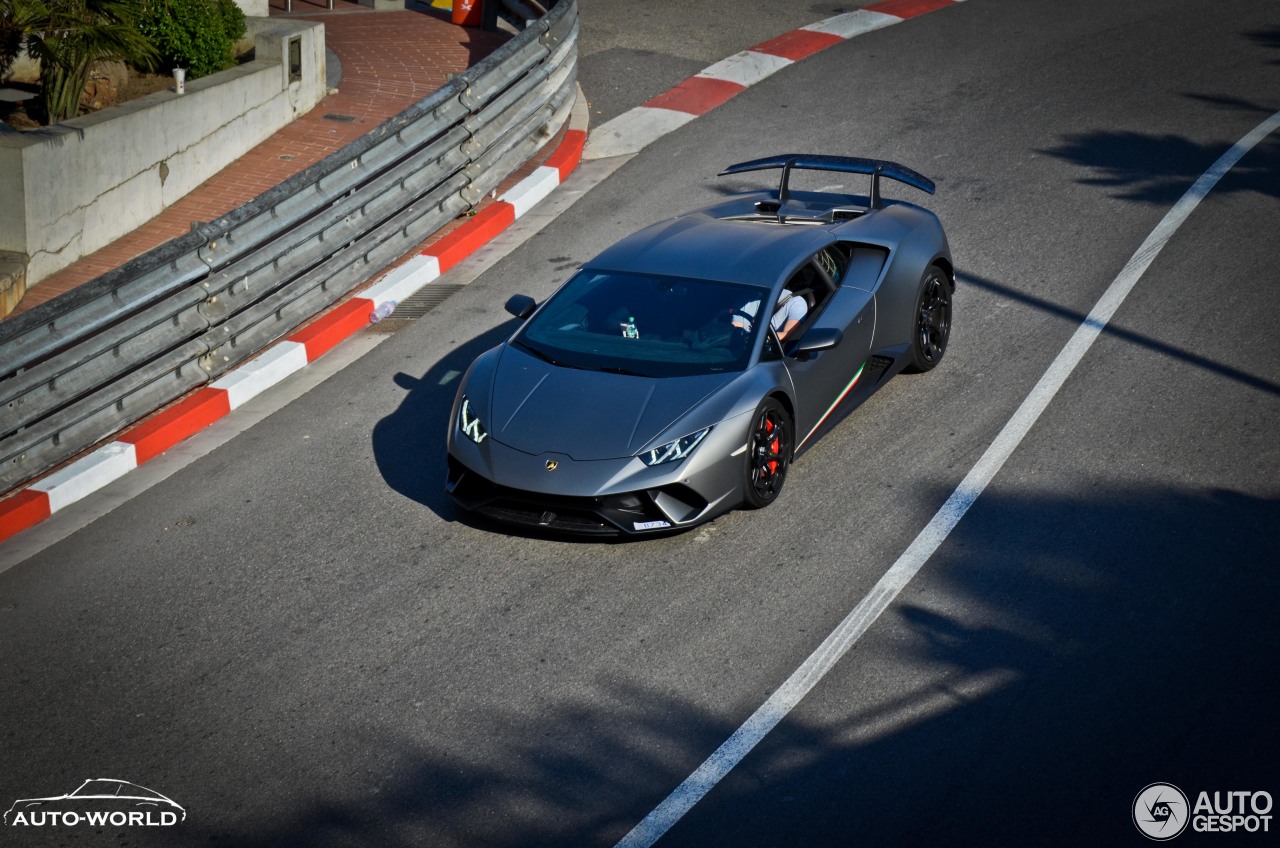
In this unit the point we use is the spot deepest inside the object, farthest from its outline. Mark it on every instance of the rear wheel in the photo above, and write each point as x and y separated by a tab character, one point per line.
932	327
768	454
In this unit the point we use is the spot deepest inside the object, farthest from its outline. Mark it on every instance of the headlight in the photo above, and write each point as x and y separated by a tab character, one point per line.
675	451
469	424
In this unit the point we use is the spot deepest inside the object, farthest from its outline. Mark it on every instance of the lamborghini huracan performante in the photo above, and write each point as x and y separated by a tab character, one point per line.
645	396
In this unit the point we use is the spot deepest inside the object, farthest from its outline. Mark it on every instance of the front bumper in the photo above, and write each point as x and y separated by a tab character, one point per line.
599	497
640	512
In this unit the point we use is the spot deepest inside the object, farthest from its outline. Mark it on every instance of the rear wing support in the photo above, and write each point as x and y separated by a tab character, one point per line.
875	168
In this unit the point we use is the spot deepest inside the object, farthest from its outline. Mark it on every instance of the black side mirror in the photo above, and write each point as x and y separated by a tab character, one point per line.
816	339
521	306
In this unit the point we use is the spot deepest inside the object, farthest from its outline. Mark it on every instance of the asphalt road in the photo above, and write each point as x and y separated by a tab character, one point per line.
294	635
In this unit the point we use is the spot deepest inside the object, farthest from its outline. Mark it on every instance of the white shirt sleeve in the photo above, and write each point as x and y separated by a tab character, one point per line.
793	310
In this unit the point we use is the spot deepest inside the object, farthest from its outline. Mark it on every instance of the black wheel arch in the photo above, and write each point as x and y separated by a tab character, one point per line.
944	262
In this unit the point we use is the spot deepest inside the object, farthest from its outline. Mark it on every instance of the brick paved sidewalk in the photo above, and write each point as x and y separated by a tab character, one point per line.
389	60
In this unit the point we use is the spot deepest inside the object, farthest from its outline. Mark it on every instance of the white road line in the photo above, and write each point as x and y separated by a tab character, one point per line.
821	661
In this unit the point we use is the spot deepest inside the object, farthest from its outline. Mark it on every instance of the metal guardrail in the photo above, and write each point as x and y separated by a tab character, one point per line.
84	365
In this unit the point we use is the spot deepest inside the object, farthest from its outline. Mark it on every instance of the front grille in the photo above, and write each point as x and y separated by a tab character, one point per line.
531	515
596	516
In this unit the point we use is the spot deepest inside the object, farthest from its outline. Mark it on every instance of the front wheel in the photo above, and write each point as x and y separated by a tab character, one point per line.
932	319
768	454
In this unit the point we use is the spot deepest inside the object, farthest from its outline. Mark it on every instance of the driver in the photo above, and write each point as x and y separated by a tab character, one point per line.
787	315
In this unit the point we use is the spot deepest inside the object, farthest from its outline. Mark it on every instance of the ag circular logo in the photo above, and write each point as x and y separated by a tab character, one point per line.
1160	811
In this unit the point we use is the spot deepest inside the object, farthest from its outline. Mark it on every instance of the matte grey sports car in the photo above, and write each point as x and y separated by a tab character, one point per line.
644	395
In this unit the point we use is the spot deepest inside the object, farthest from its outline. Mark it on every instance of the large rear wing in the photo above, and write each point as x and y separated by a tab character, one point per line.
875	168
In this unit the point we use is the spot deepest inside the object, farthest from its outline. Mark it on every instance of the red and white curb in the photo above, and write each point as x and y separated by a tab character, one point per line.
632	131
192	414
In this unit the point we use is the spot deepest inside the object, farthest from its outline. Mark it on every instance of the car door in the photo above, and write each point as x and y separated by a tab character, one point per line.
823	378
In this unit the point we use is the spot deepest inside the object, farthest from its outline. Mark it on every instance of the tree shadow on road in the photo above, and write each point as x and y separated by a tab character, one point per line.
1057	655
1268	37
1158	169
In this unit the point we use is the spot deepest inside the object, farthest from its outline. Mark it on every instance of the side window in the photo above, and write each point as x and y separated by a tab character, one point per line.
831	260
772	350
816	281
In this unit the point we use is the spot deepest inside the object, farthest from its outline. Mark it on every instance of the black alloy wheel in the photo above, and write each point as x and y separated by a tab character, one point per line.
768	454
933	321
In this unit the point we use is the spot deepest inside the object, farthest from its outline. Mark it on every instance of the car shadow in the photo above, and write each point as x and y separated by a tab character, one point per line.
409	444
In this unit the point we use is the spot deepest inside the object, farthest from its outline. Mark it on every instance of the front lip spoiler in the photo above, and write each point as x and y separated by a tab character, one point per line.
628	513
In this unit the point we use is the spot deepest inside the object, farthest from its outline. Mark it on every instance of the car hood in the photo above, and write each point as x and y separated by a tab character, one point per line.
538	407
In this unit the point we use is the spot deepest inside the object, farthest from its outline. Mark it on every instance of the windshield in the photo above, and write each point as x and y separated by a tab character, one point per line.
640	324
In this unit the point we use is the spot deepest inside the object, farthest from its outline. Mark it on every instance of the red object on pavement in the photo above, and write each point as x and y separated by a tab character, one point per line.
468	12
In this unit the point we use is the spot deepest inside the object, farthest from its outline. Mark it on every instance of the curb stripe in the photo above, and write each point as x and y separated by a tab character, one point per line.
25	509
472	235
404	280
569	153
798	44
632	131
696	95
323	335
852	24
185	418
531	190
262	372
88	474
30	506
909	8
746	68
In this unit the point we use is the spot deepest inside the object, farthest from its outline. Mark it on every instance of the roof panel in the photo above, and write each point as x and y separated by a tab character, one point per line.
703	247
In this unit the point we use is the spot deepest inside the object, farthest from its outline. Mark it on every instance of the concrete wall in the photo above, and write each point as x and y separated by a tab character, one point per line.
67	190
254	8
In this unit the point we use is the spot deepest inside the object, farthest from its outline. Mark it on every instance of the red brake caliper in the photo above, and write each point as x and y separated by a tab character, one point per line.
773	446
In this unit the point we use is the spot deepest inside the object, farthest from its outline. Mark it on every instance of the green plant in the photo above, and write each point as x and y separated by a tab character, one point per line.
68	36
16	17
199	35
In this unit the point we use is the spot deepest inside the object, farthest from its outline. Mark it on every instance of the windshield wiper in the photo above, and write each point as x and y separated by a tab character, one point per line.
606	368
611	370
528	349
533	350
